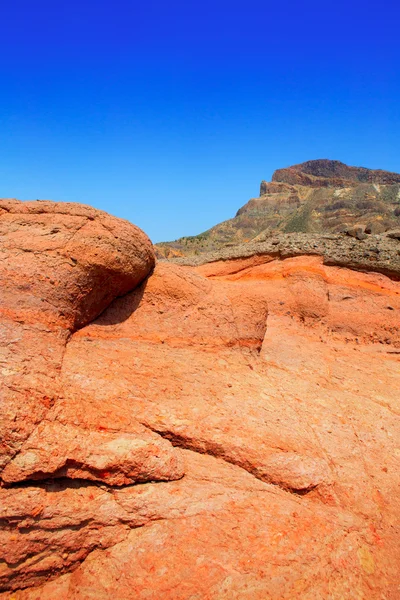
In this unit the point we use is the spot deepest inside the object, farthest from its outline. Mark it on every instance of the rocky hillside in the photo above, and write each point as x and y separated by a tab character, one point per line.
225	430
314	197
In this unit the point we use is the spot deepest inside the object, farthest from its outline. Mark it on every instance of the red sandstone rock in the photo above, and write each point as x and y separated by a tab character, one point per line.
335	302
267	444
61	265
116	458
182	308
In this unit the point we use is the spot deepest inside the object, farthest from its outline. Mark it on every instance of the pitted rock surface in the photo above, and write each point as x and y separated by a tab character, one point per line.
377	253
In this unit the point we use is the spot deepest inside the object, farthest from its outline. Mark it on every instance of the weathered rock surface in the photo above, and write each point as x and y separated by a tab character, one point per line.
377	253
319	196
217	533
118	458
182	308
61	265
228	429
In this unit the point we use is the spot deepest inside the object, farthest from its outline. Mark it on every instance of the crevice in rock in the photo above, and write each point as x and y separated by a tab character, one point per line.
63	482
304	491
217	451
103	321
12	524
14	565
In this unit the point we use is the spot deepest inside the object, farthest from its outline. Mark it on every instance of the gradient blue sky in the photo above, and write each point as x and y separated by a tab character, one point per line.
170	113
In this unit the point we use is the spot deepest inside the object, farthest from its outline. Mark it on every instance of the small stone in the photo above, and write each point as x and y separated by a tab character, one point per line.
357	232
394	235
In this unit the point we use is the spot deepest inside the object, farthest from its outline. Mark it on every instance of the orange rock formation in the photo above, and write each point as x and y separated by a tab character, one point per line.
226	431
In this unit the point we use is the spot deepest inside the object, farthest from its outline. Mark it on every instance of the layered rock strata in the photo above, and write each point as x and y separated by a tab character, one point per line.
378	253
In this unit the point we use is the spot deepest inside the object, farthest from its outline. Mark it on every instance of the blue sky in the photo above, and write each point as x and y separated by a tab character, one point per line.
169	114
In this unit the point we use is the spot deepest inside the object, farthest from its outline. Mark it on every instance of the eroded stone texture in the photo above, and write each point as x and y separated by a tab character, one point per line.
216	533
182	308
60	266
336	301
229	431
117	458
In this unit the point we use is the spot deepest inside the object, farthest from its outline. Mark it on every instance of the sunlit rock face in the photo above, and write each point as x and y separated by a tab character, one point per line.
61	265
332	173
221	430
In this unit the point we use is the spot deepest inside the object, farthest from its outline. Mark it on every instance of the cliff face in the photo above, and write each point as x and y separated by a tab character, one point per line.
315	197
225	429
332	173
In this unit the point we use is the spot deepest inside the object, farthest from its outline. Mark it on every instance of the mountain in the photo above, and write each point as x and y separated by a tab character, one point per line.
313	197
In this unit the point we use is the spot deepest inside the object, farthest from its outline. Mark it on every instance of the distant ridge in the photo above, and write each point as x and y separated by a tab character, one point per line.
332	173
316	196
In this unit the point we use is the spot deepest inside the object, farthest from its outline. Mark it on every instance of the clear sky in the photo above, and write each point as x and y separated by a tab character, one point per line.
169	113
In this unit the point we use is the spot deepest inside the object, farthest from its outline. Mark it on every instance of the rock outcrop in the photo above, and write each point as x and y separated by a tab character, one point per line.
61	266
319	196
221	429
379	253
332	173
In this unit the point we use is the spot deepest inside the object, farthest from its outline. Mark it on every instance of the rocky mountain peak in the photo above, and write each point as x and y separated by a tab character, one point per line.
332	173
